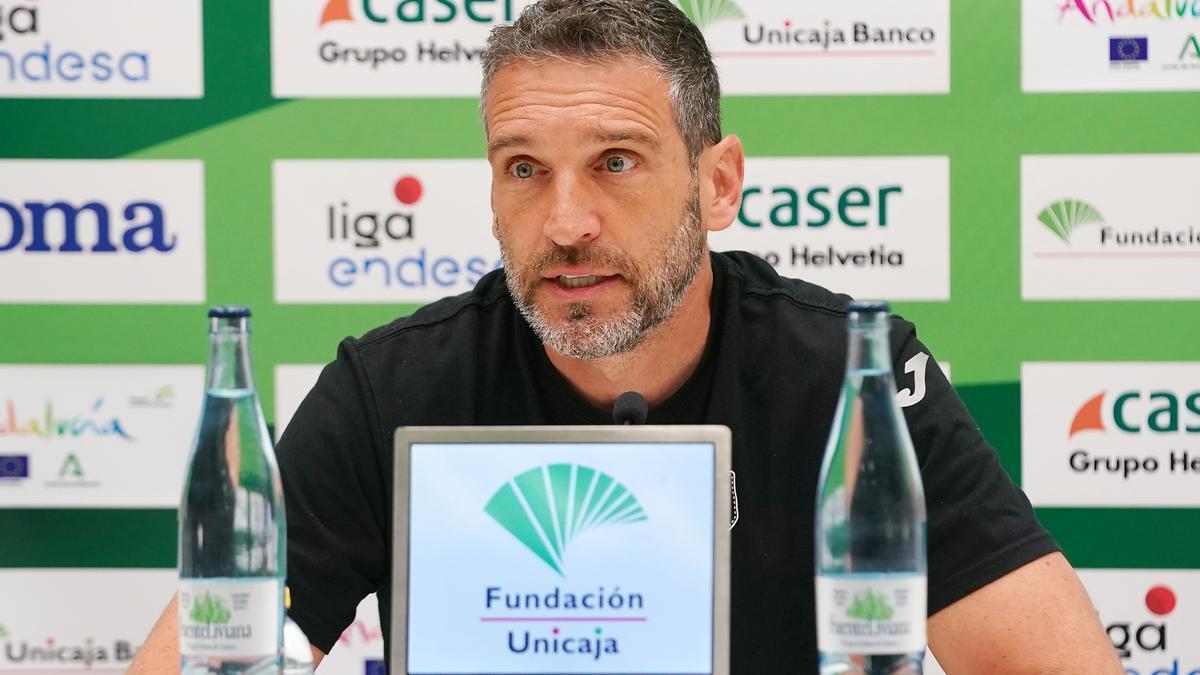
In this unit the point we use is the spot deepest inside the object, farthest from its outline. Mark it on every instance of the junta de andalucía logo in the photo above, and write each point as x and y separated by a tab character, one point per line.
546	507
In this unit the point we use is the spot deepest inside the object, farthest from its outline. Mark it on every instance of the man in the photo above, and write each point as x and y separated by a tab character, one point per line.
603	129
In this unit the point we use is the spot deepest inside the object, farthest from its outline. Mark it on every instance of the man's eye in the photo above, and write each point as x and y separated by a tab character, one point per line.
522	170
618	163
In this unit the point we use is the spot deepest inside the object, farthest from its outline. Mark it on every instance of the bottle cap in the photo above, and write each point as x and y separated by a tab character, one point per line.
229	312
869	307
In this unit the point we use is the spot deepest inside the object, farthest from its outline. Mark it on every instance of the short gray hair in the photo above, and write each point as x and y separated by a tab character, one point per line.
655	30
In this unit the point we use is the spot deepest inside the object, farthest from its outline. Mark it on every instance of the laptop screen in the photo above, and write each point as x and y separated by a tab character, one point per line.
578	556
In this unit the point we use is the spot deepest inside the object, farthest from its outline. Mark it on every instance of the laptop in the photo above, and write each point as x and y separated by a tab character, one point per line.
561	549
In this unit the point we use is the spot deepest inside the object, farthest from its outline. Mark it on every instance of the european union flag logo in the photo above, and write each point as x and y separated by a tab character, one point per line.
1128	48
14	466
374	667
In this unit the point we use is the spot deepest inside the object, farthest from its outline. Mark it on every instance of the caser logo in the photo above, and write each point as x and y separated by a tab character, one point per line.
1138	411
546	507
855	207
417	11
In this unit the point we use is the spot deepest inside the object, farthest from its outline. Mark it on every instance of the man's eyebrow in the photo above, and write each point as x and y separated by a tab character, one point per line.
642	137
503	142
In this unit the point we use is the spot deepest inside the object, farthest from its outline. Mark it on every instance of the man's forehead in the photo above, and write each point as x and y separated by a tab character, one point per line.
617	100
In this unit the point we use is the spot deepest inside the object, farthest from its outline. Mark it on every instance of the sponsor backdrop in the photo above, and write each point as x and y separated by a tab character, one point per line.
1018	177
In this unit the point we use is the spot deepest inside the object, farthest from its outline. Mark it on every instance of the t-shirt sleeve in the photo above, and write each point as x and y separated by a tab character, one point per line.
336	501
980	525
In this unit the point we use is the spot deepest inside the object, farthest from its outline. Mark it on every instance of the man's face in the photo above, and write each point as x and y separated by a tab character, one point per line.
596	206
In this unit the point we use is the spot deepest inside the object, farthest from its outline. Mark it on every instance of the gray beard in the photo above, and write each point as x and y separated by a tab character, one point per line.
657	296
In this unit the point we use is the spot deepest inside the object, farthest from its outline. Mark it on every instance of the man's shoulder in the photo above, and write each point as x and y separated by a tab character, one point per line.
763	295
756	280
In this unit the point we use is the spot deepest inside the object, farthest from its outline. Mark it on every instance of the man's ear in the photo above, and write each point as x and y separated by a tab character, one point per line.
721	172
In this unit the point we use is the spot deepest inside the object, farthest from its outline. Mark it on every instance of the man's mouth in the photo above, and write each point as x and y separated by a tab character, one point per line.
580	281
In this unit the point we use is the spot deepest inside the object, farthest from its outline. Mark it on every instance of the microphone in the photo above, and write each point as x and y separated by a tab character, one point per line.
630	408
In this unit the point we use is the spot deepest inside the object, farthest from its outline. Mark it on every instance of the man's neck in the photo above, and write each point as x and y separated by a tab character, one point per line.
658	366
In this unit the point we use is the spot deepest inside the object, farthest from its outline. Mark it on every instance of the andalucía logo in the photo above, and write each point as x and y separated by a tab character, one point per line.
49	424
1147	640
545	508
1111	11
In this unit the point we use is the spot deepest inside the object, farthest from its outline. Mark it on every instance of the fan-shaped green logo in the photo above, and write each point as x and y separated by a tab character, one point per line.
3	633
870	606
1062	217
703	13
209	609
546	507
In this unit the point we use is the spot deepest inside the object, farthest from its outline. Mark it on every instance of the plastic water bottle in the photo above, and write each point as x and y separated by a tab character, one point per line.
232	536
870	519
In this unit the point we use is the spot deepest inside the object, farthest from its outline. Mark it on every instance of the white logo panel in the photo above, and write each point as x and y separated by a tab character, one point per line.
827	46
103	436
872	227
381	230
111	49
1111	434
106	231
1109	227
1106	45
112	612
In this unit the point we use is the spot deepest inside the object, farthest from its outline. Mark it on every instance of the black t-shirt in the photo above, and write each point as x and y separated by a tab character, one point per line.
771	371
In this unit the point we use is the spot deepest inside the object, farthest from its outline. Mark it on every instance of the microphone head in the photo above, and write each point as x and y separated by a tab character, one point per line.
630	408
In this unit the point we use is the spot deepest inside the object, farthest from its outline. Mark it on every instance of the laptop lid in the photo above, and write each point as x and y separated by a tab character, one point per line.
561	550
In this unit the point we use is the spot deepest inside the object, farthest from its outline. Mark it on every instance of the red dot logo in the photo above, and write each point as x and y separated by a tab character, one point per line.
1160	600
408	190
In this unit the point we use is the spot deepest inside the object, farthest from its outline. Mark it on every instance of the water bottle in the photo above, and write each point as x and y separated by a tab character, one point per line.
870	519
232	536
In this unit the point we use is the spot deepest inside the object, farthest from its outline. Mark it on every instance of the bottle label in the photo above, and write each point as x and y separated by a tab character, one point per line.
230	617
871	613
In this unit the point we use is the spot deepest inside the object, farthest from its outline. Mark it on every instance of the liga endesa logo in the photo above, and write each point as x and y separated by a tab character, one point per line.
370	228
1146	638
1139	414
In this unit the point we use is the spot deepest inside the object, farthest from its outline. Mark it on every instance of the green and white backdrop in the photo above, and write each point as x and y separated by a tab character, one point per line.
1016	177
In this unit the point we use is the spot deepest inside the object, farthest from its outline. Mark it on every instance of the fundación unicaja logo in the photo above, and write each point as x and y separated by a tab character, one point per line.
1065	216
704	13
546	507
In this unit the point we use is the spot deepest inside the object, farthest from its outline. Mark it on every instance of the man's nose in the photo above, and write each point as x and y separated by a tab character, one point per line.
573	219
